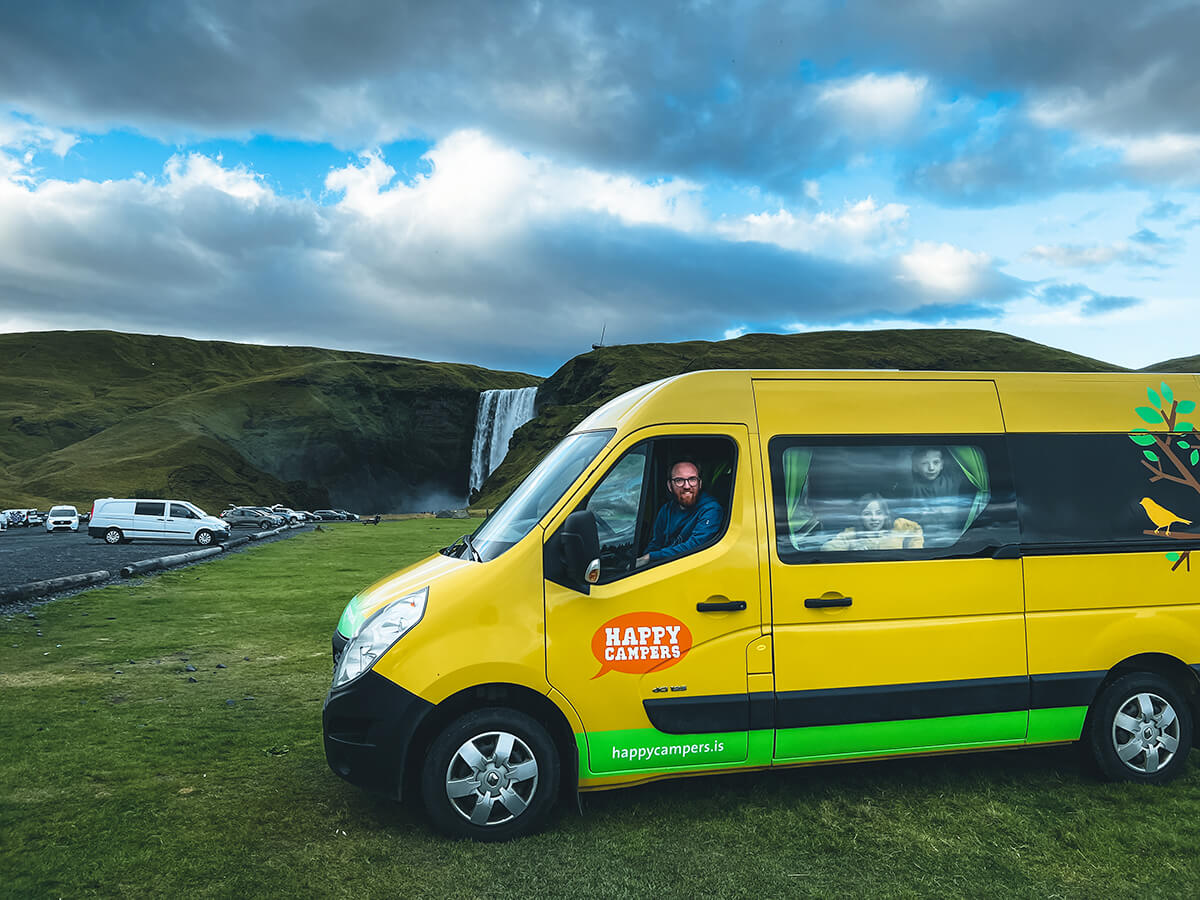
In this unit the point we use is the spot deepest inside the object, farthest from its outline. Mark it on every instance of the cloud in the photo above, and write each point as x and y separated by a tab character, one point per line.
491	256
765	91
857	228
1083	299
1163	209
946	269
881	104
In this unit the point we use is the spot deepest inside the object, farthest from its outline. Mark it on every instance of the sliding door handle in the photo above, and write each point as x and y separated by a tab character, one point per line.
825	602
722	606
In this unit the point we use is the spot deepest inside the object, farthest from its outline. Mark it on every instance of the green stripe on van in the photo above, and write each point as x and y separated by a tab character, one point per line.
823	742
1050	725
645	751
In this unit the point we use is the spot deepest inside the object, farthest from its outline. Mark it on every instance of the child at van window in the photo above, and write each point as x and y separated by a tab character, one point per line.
938	495
877	530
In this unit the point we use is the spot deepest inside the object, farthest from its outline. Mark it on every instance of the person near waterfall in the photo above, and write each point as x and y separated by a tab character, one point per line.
686	522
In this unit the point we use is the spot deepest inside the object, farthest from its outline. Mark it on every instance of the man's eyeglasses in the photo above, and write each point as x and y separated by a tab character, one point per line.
691	479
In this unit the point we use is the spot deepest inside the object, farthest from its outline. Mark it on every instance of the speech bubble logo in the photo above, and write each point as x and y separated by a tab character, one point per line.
640	642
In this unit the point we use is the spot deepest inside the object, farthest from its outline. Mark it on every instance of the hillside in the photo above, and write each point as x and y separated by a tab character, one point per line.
588	381
96	414
1180	364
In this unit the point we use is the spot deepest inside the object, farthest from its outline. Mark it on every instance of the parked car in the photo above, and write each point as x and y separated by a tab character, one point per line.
278	519
347	515
14	517
118	521
247	517
329	515
290	514
62	518
33	518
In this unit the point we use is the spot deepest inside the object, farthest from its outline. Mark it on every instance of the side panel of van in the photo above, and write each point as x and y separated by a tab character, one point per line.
883	651
1107	478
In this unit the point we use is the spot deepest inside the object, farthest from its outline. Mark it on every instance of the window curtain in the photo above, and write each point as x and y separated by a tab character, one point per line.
800	521
974	466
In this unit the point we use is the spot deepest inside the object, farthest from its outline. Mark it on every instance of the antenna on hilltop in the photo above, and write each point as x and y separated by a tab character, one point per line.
601	344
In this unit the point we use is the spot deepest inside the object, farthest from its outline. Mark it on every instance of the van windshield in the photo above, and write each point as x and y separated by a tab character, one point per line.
517	515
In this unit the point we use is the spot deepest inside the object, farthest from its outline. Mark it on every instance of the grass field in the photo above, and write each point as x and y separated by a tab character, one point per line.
120	777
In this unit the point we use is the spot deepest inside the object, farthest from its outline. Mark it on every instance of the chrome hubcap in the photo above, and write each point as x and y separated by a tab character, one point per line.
491	778
1145	733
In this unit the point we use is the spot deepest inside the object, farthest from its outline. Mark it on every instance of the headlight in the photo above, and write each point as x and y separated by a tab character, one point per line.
378	634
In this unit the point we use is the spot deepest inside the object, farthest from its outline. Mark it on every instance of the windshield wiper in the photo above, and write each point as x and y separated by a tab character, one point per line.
471	547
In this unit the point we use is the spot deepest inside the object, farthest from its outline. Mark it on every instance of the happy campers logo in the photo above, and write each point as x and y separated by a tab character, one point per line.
640	642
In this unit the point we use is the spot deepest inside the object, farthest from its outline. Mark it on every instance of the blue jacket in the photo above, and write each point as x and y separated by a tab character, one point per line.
679	531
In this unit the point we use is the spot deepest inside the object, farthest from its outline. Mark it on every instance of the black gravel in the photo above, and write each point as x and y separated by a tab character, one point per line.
33	554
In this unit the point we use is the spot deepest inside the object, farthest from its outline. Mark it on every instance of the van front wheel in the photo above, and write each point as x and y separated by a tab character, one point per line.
203	537
1141	729
491	775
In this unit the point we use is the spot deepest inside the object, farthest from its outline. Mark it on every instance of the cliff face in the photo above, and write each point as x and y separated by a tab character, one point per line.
96	414
586	382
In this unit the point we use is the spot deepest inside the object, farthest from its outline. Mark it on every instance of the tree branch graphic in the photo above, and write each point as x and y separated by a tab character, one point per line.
1164	464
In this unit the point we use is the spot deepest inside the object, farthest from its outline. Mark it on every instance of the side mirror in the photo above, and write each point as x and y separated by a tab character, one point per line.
581	547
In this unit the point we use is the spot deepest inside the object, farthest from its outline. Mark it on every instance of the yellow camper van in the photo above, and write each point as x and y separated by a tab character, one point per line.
897	563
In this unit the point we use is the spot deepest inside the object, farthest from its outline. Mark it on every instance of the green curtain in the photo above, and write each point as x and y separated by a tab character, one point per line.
796	461
973	464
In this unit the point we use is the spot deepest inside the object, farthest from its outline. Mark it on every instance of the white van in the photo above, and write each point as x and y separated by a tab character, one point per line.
62	518
118	521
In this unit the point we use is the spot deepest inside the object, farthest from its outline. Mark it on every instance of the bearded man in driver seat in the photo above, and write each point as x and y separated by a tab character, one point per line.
686	522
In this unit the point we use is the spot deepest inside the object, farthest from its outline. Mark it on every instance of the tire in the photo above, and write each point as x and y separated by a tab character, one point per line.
1140	729
491	775
204	537
265	526
113	536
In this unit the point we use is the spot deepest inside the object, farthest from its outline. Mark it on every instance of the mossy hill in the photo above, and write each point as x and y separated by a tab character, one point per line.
97	414
588	381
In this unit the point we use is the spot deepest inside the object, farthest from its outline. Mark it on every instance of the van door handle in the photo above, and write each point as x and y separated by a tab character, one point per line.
823	602
722	606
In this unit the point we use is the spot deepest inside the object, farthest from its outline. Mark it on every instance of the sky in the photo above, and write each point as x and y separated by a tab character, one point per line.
502	183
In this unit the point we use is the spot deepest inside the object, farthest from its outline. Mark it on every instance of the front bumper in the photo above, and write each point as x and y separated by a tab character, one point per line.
369	726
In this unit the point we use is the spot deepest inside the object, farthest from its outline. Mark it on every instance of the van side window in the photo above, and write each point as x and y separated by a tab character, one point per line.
615	503
1081	492
179	511
842	499
628	498
147	508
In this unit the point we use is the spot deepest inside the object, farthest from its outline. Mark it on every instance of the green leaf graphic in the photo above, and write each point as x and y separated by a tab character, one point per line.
1154	399
1182	445
1185	407
1166	394
1141	437
1150	455
1173	557
1153	416
1184	426
1195	457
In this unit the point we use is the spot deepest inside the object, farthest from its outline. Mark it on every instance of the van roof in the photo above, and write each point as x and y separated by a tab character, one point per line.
1031	401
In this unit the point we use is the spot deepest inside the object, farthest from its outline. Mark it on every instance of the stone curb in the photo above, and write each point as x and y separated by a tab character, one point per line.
50	585
164	562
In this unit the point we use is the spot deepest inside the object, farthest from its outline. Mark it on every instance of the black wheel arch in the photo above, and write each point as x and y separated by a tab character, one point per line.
514	696
1184	677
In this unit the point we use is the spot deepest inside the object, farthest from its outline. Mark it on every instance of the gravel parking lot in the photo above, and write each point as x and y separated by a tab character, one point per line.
33	554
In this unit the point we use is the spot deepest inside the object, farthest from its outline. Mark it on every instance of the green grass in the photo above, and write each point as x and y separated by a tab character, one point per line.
143	784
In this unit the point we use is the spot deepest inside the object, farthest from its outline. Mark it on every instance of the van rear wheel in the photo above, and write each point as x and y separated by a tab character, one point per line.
1141	729
113	536
491	775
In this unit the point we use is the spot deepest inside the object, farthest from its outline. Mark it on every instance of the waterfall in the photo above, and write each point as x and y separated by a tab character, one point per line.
500	414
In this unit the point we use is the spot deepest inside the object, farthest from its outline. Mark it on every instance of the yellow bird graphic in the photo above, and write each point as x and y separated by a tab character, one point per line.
1162	517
